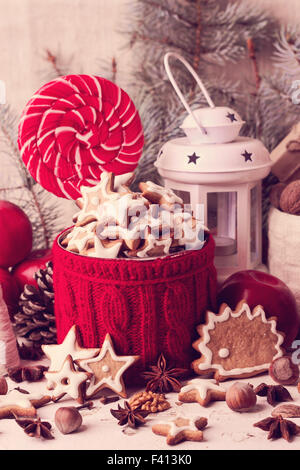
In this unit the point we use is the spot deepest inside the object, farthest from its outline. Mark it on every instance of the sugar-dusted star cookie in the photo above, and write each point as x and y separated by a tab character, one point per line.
22	405
107	369
159	194
202	391
57	353
67	381
181	429
93	196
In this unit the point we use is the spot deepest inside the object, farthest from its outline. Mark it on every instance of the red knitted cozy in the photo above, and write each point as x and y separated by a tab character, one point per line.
147	306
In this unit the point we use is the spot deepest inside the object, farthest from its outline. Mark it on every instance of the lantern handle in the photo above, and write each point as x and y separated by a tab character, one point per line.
178	91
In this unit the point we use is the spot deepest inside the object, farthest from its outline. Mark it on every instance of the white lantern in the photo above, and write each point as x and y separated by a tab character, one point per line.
213	168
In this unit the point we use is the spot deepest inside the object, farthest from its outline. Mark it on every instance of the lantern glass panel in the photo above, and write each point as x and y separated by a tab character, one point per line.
222	221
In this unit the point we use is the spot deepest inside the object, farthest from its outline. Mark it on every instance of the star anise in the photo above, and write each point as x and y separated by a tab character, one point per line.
29	374
32	353
278	427
274	393
163	379
127	415
35	427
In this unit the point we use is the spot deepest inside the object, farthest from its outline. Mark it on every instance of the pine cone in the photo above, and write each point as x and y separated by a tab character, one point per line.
35	319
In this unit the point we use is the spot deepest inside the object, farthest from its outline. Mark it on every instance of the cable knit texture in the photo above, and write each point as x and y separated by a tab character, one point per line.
147	306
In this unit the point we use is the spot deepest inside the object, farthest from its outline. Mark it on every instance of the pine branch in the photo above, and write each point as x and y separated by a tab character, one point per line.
17	186
8	141
58	65
287	52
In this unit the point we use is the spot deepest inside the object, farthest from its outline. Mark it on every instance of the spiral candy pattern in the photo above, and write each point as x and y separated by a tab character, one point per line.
75	127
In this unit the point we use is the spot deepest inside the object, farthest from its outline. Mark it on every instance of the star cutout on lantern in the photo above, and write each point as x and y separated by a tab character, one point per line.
193	158
231	116
107	369
247	156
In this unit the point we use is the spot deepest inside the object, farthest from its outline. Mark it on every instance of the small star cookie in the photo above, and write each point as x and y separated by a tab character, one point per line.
202	391
57	353
22	405
159	194
181	429
93	196
67	381
107	369
80	238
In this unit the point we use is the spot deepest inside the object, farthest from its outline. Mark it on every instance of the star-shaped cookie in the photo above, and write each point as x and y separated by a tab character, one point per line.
181	429
57	353
107	369
16	403
93	196
202	391
67	381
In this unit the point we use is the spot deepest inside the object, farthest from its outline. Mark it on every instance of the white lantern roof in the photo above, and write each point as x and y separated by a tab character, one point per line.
242	160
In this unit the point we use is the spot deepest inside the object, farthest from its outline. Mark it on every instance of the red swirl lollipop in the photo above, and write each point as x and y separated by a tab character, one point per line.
75	127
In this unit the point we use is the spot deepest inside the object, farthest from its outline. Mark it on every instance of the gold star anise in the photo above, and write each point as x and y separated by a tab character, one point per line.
278	427
35	427
274	393
127	415
163	379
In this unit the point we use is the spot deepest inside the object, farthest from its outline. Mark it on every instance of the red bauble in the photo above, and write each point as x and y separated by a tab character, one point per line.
15	234
24	272
10	290
259	288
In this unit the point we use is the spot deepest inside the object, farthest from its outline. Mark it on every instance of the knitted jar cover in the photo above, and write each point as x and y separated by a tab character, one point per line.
147	307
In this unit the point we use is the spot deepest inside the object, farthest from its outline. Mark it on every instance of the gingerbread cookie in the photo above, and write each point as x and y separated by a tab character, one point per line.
104	248
160	195
181	429
237	343
67	381
107	369
93	196
202	391
114	221
122	182
22	405
152	246
80	238
57	353
130	237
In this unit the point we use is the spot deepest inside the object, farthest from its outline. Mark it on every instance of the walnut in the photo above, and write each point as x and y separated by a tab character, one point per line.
290	198
149	401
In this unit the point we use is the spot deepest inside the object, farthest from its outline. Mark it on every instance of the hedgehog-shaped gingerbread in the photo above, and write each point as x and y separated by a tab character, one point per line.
237	343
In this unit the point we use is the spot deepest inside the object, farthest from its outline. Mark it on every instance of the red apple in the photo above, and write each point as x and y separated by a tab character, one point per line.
259	288
24	272
15	234
10	290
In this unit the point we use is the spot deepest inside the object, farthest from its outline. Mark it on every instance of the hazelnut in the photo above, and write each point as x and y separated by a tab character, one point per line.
290	198
3	386
67	419
284	371
240	397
